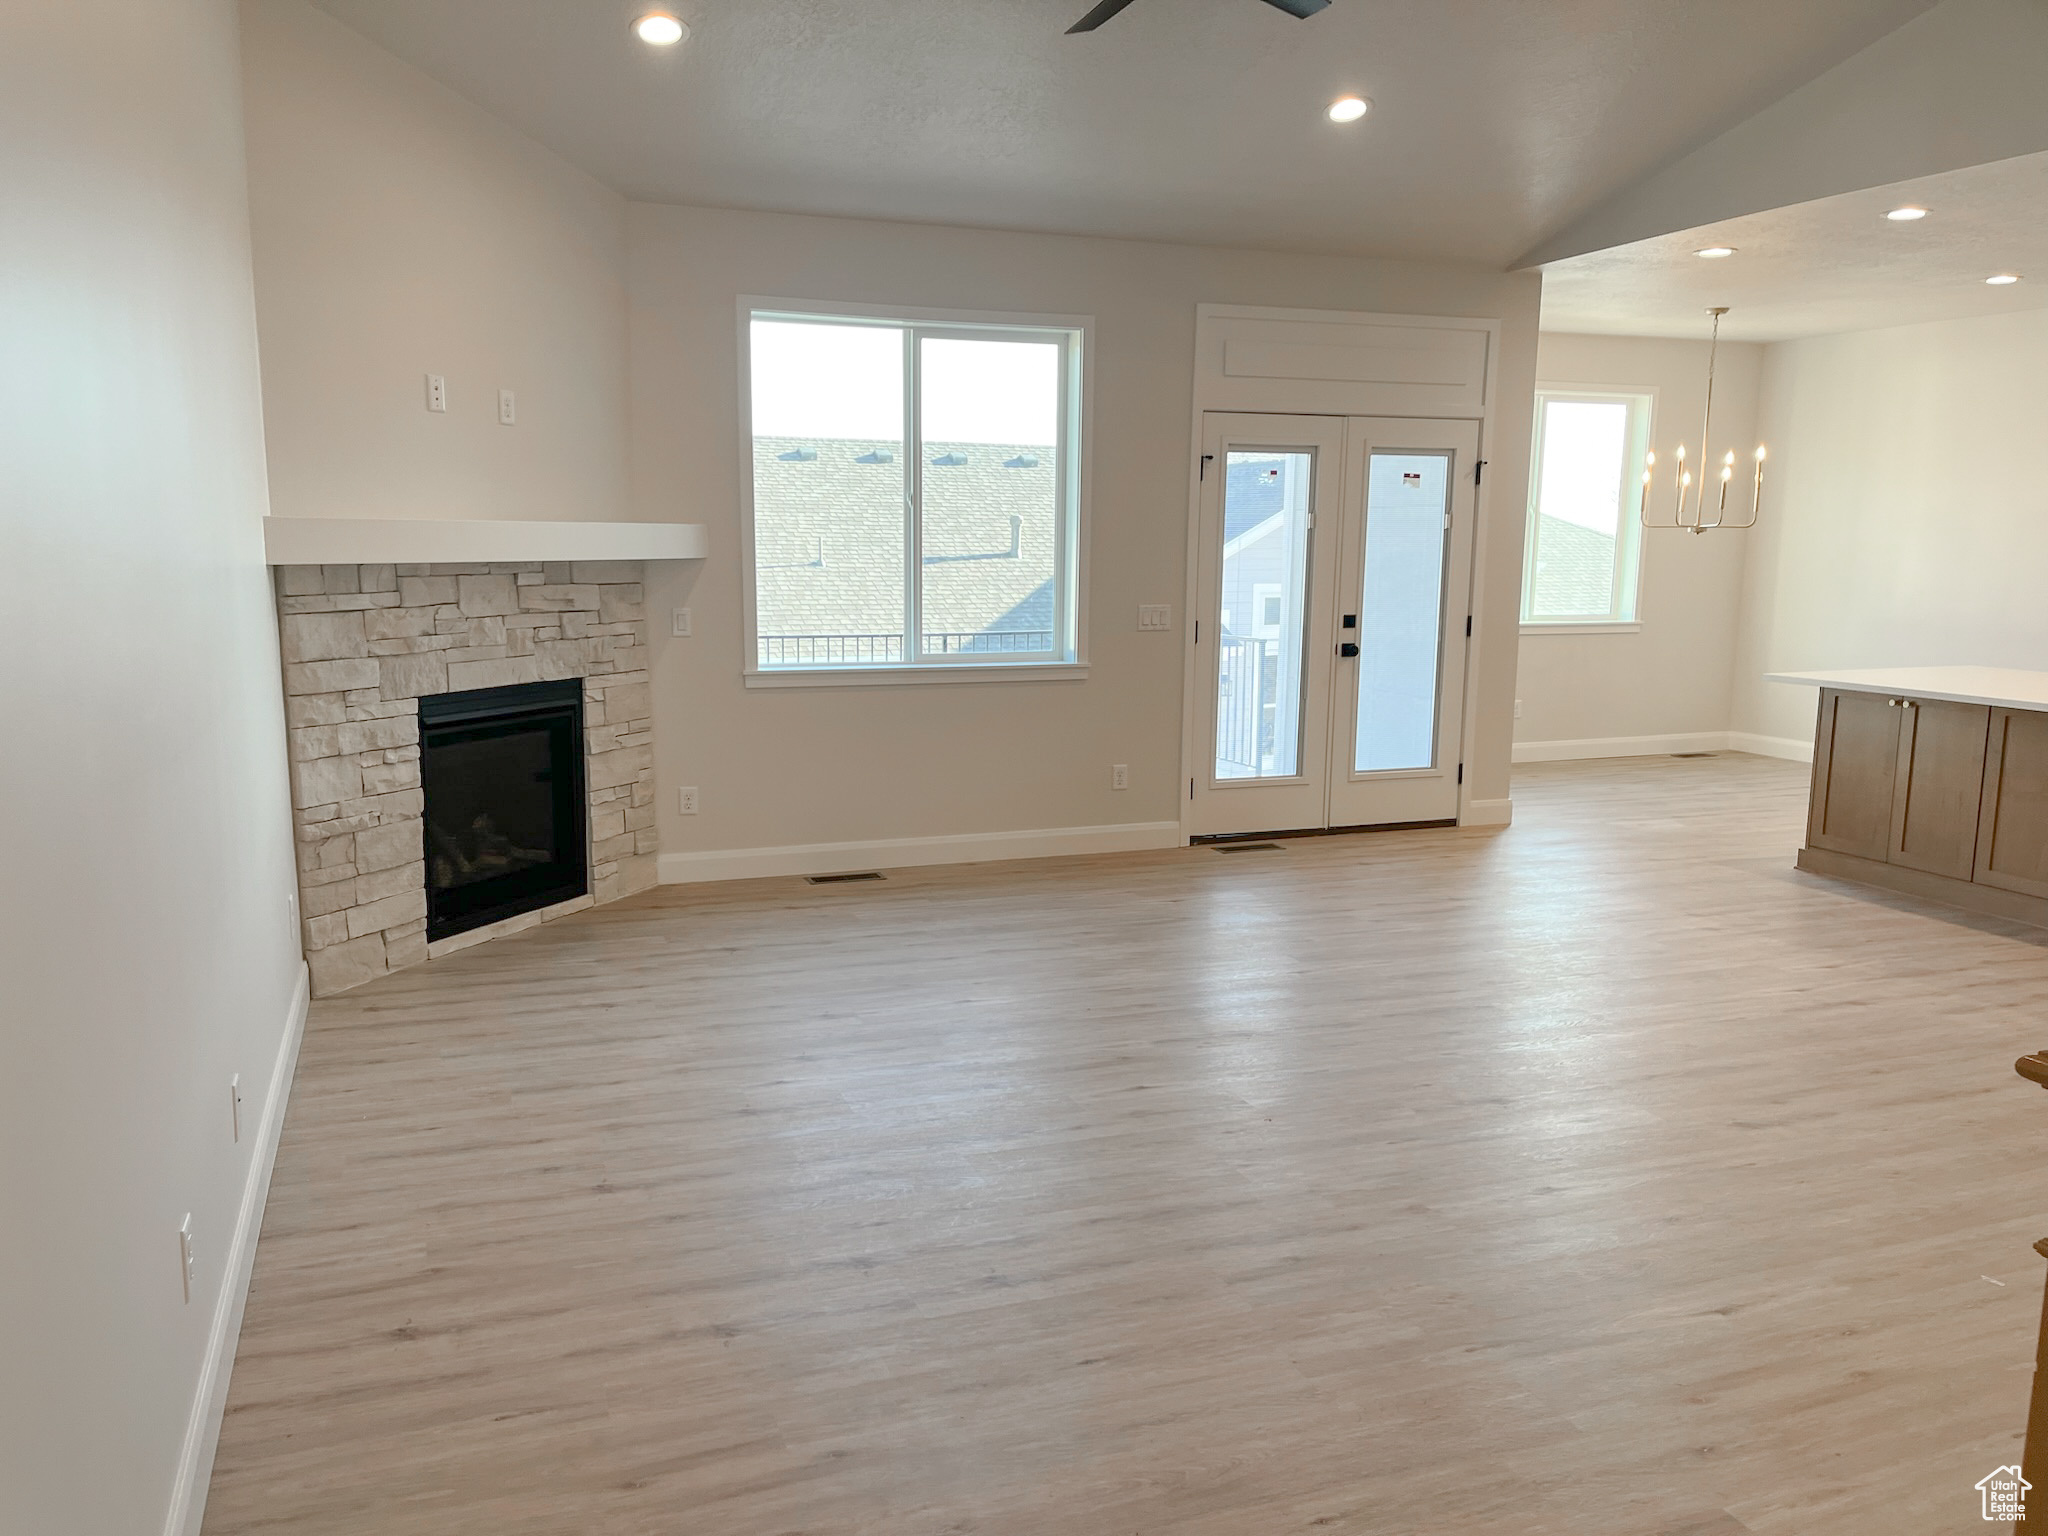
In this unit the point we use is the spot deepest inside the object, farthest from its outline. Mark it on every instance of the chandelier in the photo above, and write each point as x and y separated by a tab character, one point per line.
1695	487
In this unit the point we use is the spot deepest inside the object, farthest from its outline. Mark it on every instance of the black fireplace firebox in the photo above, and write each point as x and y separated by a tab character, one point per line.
502	769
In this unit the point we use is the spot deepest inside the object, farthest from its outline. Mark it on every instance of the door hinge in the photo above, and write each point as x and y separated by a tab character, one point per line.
1191	789
1198	631
1461	773
1468	626
1479	471
1204	473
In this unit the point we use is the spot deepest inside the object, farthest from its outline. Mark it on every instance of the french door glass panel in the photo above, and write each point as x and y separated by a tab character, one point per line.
1401	616
1263	612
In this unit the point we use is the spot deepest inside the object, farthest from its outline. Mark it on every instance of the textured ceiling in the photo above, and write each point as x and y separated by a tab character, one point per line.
1495	122
1833	265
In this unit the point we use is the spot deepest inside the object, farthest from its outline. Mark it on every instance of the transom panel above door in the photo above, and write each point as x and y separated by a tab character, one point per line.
1333	566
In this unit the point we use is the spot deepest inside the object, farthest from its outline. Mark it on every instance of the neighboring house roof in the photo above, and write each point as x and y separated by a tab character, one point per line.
1251	493
1574	568
829	532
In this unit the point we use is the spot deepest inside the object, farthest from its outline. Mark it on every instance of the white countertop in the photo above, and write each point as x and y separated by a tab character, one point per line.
2000	687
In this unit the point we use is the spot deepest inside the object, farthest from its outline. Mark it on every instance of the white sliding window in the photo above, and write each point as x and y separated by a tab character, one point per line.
1583	552
914	493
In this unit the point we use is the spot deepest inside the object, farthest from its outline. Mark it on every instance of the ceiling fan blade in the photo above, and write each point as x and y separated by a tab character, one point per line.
1298	8
1109	8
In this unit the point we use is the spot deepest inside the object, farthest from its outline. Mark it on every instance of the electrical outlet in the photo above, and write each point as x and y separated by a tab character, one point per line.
507	413
679	622
437	392
1518	709
1155	616
1119	775
235	1103
186	1257
686	800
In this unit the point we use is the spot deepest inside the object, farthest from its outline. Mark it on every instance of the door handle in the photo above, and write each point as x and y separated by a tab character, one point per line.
1347	649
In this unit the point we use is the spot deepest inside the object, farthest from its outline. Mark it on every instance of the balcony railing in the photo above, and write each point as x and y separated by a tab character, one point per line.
882	650
1247	700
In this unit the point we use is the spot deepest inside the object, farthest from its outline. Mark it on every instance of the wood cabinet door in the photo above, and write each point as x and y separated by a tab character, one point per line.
1939	786
1855	759
2012	829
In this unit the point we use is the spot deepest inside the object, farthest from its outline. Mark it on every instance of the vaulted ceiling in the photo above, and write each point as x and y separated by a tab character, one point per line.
1495	123
1833	264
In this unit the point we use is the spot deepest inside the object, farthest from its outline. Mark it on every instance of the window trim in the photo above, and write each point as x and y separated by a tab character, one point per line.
1626	616
1070	557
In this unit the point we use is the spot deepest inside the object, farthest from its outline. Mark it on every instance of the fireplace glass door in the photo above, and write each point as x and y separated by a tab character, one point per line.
502	770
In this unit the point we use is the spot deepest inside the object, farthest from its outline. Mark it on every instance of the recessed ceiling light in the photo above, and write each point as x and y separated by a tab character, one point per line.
660	29
1349	109
2001	279
1716	252
1907	214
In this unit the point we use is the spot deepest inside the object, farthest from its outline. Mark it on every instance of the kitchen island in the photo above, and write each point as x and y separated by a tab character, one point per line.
1933	781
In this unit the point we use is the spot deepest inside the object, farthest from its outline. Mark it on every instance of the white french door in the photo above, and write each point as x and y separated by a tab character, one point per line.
1334	563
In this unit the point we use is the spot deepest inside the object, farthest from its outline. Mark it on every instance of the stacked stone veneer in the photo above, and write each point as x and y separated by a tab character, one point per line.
362	645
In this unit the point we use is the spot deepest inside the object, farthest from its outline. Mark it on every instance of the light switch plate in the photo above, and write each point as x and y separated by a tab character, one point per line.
679	622
1155	616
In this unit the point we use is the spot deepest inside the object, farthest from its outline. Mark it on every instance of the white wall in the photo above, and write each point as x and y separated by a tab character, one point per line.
1674	675
799	766
401	231
360	164
146	951
1907	521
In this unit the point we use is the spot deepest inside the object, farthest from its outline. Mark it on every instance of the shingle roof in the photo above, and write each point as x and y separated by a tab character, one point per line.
829	531
1574	569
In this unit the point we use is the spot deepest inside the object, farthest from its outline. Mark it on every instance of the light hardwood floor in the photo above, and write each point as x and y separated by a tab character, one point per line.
1603	1176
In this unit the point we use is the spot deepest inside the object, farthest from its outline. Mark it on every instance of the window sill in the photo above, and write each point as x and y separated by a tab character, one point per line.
883	677
1589	627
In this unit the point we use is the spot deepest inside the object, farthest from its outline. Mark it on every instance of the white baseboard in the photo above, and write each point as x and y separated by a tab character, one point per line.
1791	748
1620	746
904	852
1788	747
1488	813
202	1429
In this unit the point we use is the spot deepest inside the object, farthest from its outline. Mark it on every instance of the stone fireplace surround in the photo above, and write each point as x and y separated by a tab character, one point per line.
362	645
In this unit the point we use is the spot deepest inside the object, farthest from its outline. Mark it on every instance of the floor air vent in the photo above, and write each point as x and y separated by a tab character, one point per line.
865	874
1695	754
1246	847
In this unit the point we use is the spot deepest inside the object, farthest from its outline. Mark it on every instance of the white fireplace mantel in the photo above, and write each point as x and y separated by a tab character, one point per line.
395	540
